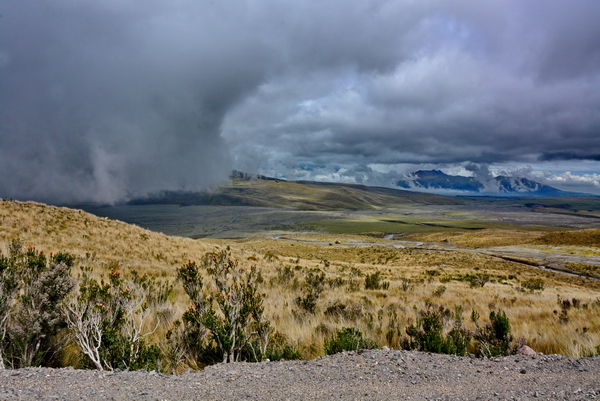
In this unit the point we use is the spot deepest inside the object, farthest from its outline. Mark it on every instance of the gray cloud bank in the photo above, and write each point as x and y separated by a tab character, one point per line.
101	100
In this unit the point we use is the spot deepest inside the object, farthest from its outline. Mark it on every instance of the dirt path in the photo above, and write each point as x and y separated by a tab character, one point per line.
369	375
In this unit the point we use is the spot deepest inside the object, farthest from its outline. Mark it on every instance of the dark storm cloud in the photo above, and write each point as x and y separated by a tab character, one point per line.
485	82
568	156
100	100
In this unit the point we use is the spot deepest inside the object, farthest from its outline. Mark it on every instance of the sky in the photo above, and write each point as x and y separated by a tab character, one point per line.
105	100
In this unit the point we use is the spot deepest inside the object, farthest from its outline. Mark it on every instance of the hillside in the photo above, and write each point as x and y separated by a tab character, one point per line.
304	195
95	240
411	276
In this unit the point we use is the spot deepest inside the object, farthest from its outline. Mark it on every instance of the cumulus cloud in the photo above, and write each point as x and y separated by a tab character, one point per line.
100	101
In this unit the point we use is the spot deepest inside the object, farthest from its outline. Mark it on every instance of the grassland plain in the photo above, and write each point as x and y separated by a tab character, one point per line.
419	275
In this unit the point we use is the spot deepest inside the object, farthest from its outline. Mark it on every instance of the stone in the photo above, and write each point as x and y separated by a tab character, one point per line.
526	350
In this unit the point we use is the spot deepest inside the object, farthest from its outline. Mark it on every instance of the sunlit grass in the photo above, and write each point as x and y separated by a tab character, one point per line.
415	276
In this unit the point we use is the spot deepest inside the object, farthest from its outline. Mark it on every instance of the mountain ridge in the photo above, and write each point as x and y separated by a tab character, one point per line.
496	186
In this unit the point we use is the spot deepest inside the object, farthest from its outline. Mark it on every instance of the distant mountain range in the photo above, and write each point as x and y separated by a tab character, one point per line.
436	180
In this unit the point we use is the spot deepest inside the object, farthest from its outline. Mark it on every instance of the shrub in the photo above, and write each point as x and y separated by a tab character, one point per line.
340	310
315	280
32	289
228	324
285	276
478	280
533	284
110	319
495	337
458	338
374	282
277	349
427	335
336	282
347	339
37	316
439	291
405	284
9	286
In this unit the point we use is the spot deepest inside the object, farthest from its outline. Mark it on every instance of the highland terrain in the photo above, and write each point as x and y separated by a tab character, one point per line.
382	259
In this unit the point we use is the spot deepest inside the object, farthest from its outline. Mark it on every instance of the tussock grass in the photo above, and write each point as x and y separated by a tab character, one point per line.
589	237
96	241
415	277
482	238
413	286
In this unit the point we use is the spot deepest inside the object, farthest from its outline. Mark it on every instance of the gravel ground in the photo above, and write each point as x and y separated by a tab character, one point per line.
368	375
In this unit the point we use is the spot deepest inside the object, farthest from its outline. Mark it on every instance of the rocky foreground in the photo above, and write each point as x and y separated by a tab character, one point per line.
369	375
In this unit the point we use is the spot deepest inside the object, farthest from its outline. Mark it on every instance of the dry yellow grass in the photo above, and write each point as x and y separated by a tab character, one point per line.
589	237
95	240
532	314
381	314
481	238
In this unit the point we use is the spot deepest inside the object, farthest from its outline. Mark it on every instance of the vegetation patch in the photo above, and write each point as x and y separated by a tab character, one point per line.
589	237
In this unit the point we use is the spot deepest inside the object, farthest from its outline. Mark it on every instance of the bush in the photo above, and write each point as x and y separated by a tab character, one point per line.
315	280
478	280
9	286
427	335
110	319
277	349
533	284
374	282
439	291
338	309
285	276
495	337
32	289
347	339
228	324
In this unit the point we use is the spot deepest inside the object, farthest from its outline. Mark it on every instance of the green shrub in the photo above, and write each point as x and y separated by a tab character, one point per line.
32	289
228	324
495	337
347	339
285	276
428	333
315	280
277	349
533	284
110	319
459	337
336	282
340	310
439	291
374	282
9	287
477	280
